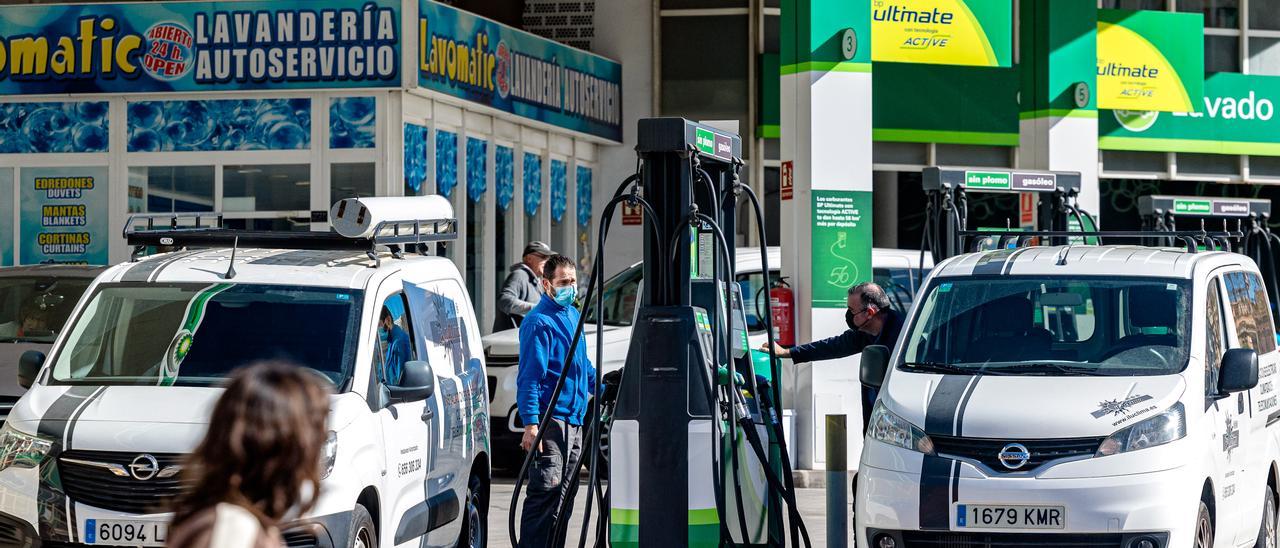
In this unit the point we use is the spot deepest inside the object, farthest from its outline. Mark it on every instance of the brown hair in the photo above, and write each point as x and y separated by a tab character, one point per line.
264	444
554	263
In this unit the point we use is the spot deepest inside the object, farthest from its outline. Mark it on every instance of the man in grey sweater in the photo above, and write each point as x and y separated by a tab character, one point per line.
520	291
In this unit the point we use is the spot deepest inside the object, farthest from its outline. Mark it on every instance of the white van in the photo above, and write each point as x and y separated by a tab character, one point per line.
897	270
93	451
1077	396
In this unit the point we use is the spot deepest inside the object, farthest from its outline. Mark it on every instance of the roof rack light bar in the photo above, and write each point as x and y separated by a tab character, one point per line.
1202	206
996	180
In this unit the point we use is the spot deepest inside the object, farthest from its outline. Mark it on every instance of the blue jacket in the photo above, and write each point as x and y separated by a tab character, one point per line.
545	335
398	352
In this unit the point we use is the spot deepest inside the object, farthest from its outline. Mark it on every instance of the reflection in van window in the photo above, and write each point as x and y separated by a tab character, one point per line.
176	334
1251	310
1054	325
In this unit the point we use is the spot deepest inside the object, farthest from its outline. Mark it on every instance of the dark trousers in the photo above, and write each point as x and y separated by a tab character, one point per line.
549	485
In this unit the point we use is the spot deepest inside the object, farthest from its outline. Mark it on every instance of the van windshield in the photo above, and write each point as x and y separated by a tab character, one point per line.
1055	325
196	334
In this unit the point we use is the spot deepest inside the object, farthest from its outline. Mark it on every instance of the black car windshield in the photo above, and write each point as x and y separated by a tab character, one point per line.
196	334
1055	325
34	309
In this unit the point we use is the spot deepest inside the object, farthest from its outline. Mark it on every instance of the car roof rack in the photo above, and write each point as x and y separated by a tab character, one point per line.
206	229
1193	239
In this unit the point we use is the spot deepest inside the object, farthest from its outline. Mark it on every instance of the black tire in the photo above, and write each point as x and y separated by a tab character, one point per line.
1204	527
363	532
475	517
1267	530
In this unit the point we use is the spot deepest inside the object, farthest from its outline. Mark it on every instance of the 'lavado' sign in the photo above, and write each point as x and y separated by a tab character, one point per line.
199	46
943	32
1237	115
481	60
1147	62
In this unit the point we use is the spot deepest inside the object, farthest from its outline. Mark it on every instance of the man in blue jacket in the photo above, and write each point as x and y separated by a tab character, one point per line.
545	336
870	321
398	347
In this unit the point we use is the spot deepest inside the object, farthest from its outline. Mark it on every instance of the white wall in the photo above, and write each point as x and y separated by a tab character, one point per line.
624	33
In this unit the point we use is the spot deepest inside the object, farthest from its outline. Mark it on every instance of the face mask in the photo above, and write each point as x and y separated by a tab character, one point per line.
382	334
565	295
848	319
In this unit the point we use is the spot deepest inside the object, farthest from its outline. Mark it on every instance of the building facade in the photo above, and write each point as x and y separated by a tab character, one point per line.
270	111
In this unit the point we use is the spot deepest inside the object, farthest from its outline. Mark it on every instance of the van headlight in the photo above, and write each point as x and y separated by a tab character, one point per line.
889	428
21	450
328	454
1158	430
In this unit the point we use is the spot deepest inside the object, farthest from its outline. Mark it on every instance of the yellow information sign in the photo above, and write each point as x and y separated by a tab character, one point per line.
1146	63
942	32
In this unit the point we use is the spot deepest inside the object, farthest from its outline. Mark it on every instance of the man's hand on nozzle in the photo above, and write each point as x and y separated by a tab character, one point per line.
530	434
778	350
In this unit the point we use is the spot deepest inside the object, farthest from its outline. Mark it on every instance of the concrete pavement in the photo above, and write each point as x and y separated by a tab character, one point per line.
812	504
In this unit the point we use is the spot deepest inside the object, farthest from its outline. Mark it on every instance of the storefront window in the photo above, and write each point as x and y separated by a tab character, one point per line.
1221	53
1264	56
559	204
477	183
6	216
584	236
170	189
1263	15
351	181
532	178
1222	14
266	188
504	178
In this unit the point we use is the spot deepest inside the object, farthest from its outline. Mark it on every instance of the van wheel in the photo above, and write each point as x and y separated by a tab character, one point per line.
475	525
362	533
1204	528
1267	531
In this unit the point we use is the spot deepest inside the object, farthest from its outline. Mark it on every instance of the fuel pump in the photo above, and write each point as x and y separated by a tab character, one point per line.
1248	217
1050	195
696	448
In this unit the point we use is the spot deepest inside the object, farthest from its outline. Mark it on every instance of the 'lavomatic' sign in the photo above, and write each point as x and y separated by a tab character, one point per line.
1237	115
1147	62
199	46
942	32
483	61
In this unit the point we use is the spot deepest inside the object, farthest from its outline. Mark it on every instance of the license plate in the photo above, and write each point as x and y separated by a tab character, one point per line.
124	533
1010	516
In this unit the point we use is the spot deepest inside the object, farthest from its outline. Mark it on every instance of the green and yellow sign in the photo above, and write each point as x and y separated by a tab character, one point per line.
1236	115
943	32
1150	60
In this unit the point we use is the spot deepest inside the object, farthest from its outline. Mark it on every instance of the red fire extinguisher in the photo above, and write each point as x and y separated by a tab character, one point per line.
782	305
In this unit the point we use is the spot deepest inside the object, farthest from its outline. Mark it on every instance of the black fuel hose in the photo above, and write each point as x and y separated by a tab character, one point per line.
542	428
775	370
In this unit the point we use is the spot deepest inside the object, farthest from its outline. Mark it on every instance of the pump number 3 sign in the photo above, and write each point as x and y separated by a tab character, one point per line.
841	252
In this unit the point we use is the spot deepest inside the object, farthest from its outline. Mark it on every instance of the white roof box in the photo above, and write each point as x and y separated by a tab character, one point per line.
362	217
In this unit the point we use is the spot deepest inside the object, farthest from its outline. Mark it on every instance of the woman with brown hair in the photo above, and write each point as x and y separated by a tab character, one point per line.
259	461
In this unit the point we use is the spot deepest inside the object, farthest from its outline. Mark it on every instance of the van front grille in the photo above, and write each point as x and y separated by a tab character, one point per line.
987	450
96	485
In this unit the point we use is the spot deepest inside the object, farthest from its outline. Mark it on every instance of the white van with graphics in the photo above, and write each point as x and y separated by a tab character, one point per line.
93	452
1077	396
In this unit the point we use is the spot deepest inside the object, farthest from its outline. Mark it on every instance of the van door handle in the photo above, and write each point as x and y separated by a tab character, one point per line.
428	413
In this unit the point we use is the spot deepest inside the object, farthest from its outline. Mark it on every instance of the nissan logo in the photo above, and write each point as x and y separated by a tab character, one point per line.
1014	456
144	467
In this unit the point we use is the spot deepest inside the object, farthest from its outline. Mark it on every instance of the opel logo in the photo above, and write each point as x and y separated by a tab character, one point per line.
144	467
1014	456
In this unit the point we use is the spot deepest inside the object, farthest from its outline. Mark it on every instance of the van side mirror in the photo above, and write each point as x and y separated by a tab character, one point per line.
417	382
1238	371
29	365
875	364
